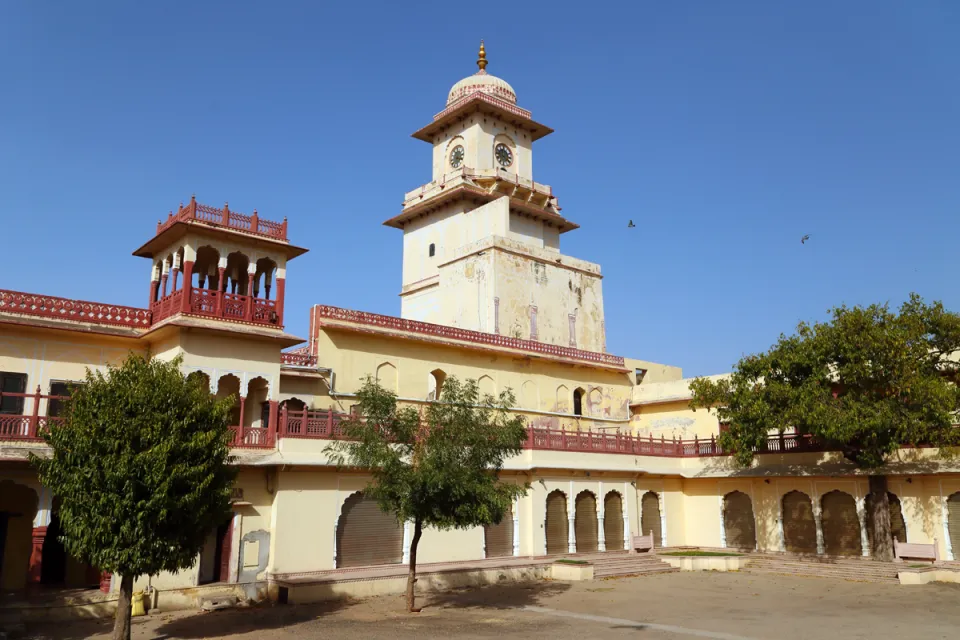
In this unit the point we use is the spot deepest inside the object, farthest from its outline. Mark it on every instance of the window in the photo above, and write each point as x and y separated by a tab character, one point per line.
433	250
12	383
640	373
59	388
264	415
578	402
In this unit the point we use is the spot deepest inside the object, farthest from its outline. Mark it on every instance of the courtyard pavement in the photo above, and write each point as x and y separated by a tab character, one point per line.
721	606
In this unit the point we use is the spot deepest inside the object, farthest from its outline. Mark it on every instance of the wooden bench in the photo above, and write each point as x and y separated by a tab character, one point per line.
916	551
643	543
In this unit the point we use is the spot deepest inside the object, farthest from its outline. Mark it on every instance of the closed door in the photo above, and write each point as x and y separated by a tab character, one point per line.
650	517
366	535
613	521
953	523
556	525
799	527
585	522
840	524
738	523
498	538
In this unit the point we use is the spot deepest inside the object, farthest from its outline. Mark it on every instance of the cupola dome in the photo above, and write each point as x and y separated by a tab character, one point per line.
482	82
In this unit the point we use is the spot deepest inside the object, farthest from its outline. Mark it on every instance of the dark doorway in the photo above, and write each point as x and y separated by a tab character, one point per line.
4	518
222	560
53	568
578	402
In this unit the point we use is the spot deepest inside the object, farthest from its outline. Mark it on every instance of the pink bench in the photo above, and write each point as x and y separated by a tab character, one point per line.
643	543
916	551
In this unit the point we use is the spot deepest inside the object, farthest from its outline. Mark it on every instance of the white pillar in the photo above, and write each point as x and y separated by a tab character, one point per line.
571	522
44	507
516	527
663	519
862	516
723	529
945	516
817	520
406	543
601	536
783	540
626	516
335	523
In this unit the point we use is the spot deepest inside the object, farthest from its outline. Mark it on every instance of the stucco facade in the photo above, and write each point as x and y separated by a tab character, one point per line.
486	294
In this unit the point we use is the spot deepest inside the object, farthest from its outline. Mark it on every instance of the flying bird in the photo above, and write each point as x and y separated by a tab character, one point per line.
630	225
804	239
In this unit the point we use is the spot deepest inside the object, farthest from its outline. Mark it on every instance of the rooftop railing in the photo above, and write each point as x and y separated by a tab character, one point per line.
79	310
225	218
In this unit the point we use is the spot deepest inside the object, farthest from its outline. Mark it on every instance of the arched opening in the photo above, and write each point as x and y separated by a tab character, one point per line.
498	538
178	264
237	276
585	522
18	507
739	525
650	517
57	567
840	524
432	250
898	527
366	535
263	278
387	377
556	527
293	404
486	387
229	385
613	521
199	378
953	522
256	412
435	380
563	399
799	527
529	398
158	277
206	272
578	401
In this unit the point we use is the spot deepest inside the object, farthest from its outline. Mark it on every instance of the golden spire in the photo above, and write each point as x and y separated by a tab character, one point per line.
482	60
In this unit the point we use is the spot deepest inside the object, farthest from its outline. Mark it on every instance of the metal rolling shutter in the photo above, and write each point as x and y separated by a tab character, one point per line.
498	538
585	522
799	528
613	521
557	526
650	517
366	535
841	526
953	523
738	523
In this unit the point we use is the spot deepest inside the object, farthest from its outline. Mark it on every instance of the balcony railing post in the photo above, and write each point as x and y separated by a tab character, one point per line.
283	228
330	423
248	309
192	208
225	220
282	427
303	422
35	418
255	222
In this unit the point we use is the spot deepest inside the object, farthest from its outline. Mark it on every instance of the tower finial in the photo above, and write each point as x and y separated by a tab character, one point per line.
482	60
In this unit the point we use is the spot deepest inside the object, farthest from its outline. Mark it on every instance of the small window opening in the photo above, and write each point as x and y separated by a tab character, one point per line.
640	373
578	402
433	249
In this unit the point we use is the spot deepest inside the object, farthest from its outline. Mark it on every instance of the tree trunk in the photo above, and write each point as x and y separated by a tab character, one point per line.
878	512
121	624
412	576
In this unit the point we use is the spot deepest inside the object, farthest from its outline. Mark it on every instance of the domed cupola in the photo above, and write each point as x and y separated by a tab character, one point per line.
482	82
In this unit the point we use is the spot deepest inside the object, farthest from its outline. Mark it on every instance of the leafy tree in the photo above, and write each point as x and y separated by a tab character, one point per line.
864	383
140	464
439	469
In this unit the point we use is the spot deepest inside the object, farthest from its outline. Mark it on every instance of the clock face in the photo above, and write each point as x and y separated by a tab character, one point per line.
503	154
456	156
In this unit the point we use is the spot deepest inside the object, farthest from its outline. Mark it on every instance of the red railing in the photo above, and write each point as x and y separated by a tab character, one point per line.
252	437
27	426
167	306
466	335
195	212
298	358
233	306
79	310
311	424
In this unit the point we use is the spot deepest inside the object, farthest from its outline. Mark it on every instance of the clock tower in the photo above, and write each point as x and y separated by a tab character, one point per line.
481	240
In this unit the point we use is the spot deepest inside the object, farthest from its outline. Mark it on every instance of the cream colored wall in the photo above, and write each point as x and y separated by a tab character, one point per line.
674	420
354	356
244	357
479	135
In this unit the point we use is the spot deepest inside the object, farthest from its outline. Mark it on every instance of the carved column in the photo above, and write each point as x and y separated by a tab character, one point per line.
187	286
281	290
163	279
34	570
571	522
251	274
221	286
862	516
273	427
243	402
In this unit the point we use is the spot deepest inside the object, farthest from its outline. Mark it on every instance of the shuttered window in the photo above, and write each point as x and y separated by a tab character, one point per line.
556	525
799	527
840	524
366	535
650	517
498	538
613	521
739	526
585	522
12	383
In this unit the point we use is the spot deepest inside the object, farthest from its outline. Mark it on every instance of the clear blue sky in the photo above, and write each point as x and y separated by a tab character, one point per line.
725	130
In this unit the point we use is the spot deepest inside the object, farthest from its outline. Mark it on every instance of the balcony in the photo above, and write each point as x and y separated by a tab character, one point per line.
25	427
226	219
211	303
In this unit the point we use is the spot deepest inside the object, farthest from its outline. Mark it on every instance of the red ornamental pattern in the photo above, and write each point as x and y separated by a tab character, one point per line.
79	310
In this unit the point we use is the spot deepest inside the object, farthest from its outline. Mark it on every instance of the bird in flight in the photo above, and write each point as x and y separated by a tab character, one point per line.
630	225
804	239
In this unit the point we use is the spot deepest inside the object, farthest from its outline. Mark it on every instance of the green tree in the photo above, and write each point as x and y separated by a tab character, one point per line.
864	383
439	469
140	464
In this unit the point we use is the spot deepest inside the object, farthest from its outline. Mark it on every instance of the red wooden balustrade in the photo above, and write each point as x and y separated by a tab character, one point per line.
298	359
224	217
28	426
465	335
218	304
79	310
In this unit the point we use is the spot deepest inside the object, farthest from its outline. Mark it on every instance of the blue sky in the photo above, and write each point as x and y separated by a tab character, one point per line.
725	130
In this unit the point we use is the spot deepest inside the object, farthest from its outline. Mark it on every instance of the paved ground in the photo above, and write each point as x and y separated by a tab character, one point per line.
668	607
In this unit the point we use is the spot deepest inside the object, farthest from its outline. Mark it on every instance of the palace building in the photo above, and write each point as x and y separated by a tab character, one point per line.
486	293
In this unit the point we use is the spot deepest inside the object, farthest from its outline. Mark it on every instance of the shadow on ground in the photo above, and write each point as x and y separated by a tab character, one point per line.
506	596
